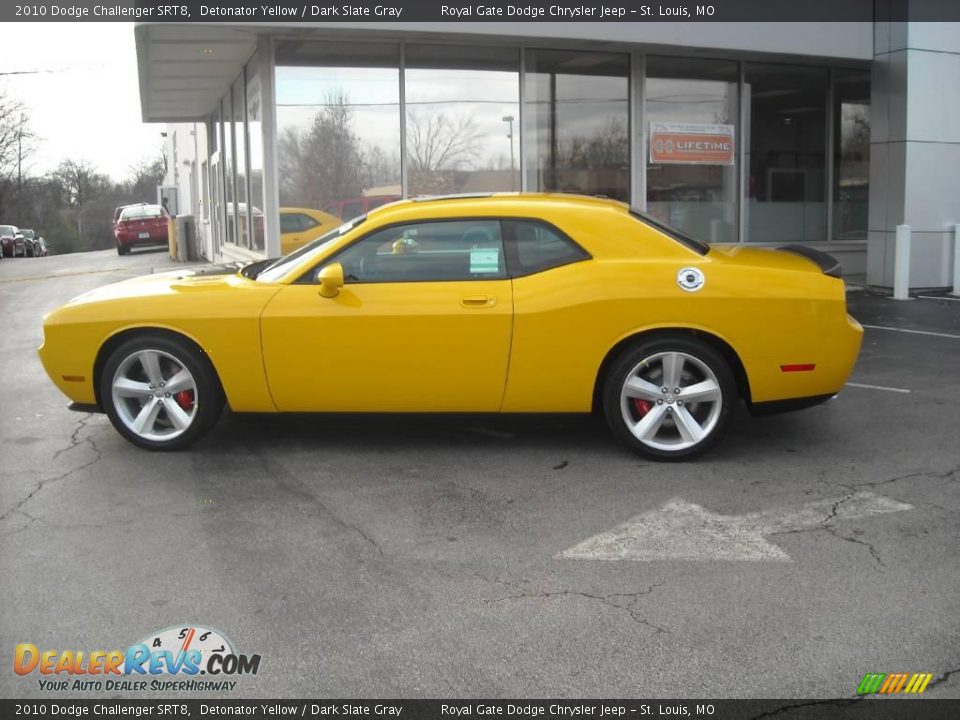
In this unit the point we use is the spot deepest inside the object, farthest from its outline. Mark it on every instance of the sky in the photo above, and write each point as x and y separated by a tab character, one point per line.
84	103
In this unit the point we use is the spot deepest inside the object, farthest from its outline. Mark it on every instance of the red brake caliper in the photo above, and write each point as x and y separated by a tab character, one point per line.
184	399
641	406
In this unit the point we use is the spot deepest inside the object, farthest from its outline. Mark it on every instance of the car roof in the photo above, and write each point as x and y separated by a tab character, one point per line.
473	200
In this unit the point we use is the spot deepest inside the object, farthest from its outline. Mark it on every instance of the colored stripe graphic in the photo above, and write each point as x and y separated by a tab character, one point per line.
870	683
894	683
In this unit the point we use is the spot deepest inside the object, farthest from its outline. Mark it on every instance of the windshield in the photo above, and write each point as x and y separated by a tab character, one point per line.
697	246
6	230
27	233
280	267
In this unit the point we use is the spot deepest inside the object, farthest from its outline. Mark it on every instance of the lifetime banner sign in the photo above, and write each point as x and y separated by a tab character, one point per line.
691	144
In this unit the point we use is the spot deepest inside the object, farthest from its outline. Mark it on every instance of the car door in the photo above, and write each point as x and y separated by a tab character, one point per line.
422	324
552	357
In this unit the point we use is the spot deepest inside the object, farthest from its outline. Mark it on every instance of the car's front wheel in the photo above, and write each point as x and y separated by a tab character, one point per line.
160	393
670	398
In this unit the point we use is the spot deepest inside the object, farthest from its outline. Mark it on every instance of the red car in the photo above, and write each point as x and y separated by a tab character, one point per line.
354	207
11	239
140	226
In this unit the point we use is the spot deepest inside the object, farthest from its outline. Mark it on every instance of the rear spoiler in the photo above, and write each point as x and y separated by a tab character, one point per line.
827	263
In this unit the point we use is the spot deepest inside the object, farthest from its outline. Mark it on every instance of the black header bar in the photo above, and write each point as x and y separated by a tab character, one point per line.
465	11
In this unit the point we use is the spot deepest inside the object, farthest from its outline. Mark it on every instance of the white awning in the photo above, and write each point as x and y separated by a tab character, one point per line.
185	69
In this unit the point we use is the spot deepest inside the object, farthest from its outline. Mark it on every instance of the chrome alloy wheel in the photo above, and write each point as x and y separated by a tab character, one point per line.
671	401
155	395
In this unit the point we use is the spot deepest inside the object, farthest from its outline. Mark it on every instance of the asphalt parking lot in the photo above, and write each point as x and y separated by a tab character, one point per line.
439	557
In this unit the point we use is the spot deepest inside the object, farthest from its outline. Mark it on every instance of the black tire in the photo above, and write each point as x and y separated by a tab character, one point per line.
700	364
121	250
208	397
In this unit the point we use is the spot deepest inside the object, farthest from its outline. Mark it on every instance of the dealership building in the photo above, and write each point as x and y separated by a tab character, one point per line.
826	134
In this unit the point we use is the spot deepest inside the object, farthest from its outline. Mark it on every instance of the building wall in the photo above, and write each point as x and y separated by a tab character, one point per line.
186	151
915	149
780	188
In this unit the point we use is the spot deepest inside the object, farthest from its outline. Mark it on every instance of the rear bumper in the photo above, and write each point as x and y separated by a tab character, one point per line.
132	239
776	407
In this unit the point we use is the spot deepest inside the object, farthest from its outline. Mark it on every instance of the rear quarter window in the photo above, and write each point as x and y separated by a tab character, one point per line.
536	246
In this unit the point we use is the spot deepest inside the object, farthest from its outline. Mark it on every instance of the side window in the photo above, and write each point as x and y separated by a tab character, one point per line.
536	247
307	222
427	252
289	222
333	210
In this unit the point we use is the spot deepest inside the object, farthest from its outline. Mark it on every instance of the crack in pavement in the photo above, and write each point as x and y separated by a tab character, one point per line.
296	488
75	441
521	593
943	678
841	702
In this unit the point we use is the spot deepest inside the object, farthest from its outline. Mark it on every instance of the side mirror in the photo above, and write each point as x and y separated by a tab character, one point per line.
331	280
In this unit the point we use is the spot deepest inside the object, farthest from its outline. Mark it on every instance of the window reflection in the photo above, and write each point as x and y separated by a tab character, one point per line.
228	164
255	136
338	126
851	154
786	153
577	122
462	123
695	95
242	233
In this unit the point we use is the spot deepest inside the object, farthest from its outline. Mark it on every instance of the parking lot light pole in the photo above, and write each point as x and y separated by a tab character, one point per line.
509	119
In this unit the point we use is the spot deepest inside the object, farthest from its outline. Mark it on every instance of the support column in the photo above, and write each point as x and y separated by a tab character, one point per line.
914	147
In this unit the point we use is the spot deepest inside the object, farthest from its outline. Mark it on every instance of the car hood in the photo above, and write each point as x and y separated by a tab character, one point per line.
165	283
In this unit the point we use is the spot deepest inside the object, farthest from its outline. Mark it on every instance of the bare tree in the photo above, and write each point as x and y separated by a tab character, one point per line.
440	142
608	147
79	180
323	162
16	145
144	177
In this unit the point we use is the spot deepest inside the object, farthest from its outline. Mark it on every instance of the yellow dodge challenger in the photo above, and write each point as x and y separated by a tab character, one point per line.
511	303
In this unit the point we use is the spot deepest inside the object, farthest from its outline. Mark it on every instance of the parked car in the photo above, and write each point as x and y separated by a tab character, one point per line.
141	226
504	303
298	226
35	246
13	242
43	247
354	207
8	234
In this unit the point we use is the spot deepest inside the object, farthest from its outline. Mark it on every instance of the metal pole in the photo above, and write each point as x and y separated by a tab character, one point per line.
901	264
956	259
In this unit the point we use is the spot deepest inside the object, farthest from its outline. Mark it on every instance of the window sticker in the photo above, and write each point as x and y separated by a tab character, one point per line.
484	261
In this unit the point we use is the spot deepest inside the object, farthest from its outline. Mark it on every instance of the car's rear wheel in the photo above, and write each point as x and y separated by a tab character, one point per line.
122	249
160	393
670	398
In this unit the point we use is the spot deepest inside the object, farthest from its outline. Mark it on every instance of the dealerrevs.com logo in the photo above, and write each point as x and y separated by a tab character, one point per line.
169	660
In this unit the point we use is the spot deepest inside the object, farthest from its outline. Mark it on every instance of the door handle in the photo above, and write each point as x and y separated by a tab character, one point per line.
478	301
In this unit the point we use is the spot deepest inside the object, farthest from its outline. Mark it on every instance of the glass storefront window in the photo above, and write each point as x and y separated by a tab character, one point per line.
338	124
240	162
577	122
255	137
786	153
229	168
851	153
462	119
693	100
